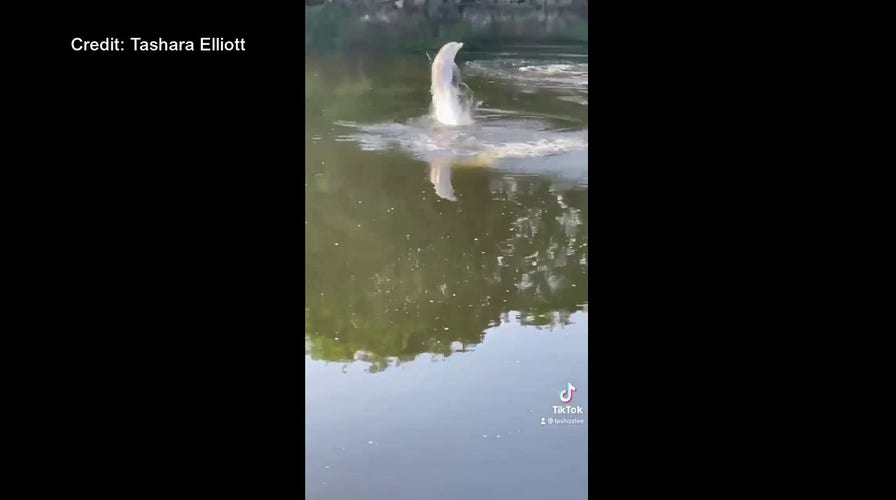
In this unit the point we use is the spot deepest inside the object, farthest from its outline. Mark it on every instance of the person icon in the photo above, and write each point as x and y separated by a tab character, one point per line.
542	421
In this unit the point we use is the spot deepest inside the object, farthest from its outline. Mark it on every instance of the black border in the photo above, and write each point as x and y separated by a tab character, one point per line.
166	250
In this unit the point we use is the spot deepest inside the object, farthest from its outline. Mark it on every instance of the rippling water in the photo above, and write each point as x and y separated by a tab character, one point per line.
446	278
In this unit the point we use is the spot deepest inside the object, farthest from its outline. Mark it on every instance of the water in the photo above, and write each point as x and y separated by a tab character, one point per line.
446	278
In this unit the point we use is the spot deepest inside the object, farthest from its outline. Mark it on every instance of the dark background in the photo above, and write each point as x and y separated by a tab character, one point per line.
164	244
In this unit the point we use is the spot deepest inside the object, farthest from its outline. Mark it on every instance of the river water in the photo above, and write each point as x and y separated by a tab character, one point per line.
446	279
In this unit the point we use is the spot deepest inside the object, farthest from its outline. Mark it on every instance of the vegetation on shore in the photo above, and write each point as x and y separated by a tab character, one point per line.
415	25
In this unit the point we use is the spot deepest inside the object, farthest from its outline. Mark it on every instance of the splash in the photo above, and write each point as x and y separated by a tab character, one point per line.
452	101
513	142
568	80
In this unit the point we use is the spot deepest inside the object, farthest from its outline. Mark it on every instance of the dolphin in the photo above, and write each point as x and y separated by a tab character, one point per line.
445	88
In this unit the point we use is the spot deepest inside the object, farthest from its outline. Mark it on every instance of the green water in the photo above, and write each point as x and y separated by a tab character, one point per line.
436	322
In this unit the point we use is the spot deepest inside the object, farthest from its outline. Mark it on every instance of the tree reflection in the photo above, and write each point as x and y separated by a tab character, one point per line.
393	271
405	257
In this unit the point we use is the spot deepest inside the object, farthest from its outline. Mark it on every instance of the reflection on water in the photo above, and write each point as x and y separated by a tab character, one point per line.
403	275
440	177
463	428
446	276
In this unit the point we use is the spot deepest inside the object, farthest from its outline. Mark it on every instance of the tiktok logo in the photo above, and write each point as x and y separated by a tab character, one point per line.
566	395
